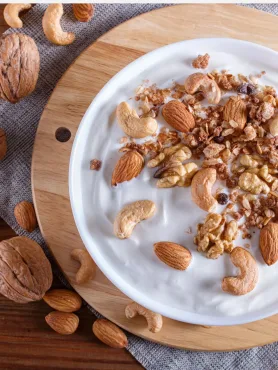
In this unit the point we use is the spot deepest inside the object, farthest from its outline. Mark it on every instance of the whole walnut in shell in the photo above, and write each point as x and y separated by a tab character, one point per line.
25	272
19	66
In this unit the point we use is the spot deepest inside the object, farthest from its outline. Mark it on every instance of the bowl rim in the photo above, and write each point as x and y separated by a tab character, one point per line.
118	281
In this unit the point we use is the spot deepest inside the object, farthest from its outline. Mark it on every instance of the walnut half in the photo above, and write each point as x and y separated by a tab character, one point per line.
19	66
25	272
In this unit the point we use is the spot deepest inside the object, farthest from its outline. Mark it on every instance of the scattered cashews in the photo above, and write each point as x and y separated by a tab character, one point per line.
87	268
154	320
131	215
201	82
201	188
132	124
11	14
246	281
52	27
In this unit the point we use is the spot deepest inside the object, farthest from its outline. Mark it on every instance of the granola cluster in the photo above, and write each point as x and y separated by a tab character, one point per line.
235	137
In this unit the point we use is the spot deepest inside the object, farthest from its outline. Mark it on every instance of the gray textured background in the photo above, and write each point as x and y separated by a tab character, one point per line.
20	123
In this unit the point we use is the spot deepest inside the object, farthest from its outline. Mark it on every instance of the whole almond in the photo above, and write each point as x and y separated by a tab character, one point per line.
269	243
63	300
109	333
235	110
177	116
83	12
3	144
127	167
62	322
25	215
173	255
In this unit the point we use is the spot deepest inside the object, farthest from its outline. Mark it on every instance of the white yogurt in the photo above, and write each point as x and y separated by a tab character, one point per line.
198	289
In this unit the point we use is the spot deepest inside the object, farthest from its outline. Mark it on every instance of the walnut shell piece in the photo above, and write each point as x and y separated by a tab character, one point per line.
19	66
83	12
25	272
177	116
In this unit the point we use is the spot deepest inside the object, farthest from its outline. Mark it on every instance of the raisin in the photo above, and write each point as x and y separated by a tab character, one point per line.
247	89
222	198
218	139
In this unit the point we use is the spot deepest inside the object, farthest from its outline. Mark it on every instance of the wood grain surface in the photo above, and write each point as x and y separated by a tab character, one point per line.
72	96
27	342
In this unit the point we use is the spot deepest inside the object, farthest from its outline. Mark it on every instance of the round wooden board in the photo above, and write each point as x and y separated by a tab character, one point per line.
69	101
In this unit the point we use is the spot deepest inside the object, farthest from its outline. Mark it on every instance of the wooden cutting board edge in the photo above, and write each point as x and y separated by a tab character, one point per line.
66	107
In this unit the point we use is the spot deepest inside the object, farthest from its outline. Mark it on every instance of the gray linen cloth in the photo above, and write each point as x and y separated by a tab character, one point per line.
20	123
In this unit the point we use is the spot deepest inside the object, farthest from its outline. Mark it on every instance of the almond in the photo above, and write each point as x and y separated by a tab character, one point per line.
177	116
3	144
63	300
25	215
235	110
83	12
174	255
62	322
109	333
269	243
127	167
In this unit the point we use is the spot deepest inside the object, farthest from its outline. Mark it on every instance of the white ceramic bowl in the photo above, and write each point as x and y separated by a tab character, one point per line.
194	295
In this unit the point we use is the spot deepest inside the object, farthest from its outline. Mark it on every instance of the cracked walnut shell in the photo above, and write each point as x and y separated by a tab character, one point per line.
25	272
19	66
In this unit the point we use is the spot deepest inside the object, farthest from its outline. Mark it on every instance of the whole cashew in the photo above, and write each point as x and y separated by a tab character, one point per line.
154	320
52	27
201	187
131	215
246	281
11	13
132	125
87	269
201	82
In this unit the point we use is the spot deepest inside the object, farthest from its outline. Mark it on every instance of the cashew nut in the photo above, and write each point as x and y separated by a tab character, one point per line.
131	215
87	269
132	125
154	320
201	82
52	27
246	281
11	13
201	188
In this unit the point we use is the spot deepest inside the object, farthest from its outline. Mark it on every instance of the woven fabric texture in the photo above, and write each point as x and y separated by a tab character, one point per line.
20	123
